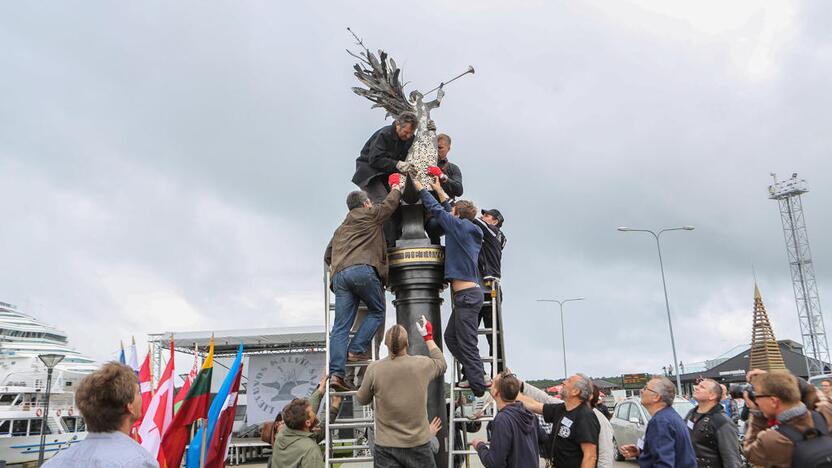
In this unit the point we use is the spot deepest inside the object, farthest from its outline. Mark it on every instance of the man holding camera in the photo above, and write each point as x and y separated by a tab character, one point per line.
779	418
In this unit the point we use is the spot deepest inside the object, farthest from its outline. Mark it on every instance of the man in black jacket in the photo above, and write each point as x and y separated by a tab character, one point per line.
712	432
513	431
489	262
452	182
384	154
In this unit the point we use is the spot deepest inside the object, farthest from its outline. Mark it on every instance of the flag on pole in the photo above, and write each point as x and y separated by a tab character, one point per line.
194	406
160	412
121	354
146	389
220	421
180	395
134	358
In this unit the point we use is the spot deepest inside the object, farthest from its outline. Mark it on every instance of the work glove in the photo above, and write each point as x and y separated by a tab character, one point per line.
434	171
403	166
425	328
394	179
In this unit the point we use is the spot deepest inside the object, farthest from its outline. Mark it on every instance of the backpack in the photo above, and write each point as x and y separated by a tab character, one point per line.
812	448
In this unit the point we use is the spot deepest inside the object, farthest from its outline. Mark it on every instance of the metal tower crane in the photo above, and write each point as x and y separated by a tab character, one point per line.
788	194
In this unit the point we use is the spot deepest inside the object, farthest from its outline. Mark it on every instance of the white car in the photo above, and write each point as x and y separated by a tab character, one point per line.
630	418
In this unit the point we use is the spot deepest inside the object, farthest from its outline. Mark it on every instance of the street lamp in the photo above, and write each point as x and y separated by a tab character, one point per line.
50	361
562	334
664	284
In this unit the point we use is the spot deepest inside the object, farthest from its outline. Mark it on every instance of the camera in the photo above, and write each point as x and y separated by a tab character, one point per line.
735	390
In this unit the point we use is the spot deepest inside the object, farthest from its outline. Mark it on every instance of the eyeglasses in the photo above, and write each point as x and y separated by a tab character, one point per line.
646	388
757	397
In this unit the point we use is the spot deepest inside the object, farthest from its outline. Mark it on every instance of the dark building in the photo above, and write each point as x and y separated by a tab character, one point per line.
733	369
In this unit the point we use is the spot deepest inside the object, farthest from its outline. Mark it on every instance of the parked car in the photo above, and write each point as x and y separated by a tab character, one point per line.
630	418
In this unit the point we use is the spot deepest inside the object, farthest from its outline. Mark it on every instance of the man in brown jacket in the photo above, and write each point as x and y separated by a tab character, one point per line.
358	260
777	402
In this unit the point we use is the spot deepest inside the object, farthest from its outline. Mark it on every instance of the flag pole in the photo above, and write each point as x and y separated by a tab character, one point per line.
202	447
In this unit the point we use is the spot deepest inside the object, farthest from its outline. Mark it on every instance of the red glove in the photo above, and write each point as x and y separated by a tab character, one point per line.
425	328
394	179
434	171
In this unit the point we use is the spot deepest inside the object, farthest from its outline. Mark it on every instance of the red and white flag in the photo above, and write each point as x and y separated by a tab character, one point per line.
160	411
221	440
146	389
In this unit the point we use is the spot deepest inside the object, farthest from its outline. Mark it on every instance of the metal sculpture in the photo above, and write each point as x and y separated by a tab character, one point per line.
385	88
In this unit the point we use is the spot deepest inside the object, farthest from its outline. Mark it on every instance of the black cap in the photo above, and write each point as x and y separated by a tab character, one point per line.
496	214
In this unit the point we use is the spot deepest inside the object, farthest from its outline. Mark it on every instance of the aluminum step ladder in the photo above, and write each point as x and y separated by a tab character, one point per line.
346	450
492	303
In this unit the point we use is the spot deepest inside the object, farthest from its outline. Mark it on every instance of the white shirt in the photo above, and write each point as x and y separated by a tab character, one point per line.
605	447
104	450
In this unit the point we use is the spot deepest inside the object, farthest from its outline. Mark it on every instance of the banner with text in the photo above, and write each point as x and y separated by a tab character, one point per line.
276	379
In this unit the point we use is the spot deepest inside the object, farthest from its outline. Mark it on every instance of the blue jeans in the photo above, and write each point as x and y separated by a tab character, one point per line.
353	284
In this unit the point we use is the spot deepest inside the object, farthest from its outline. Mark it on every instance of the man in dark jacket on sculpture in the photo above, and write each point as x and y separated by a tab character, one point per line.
712	432
513	431
384	154
452	180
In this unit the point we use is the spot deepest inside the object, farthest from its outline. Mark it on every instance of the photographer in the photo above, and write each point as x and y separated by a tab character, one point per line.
777	412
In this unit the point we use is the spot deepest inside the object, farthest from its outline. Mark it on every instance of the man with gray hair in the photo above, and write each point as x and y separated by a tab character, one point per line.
358	263
666	441
713	434
574	439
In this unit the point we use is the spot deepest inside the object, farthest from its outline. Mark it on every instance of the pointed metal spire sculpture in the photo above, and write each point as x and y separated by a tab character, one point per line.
765	352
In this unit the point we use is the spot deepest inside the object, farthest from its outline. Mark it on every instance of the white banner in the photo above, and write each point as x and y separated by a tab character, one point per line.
276	379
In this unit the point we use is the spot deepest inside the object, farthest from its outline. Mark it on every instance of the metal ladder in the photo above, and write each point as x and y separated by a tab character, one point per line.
358	452
494	303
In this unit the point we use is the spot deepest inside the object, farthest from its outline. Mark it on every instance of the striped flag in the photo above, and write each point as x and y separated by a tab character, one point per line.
146	389
220	421
194	406
160	412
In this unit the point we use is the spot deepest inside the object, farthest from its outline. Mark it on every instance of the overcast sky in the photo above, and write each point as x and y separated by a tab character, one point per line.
181	165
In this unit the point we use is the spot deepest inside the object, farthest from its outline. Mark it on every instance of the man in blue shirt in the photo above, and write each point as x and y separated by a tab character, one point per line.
110	402
666	442
462	249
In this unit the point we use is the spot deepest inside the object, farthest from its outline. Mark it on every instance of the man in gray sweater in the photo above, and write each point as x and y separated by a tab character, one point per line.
399	386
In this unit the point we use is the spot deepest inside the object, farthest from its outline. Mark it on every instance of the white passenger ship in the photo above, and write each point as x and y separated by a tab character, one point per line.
23	388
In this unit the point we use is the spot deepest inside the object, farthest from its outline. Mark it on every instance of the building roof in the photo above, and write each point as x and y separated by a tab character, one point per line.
255	340
735	368
604	384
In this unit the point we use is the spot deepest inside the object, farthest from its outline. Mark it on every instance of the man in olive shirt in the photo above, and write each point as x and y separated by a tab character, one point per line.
358	259
399	386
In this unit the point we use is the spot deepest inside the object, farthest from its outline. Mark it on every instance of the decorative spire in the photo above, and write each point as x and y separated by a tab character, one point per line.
765	352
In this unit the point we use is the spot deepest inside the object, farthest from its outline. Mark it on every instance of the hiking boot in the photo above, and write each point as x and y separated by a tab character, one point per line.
358	357
481	406
337	383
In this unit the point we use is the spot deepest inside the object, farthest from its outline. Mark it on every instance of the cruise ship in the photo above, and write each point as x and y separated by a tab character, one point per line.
23	388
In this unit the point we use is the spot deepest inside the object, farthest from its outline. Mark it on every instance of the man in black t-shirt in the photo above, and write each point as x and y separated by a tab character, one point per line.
574	438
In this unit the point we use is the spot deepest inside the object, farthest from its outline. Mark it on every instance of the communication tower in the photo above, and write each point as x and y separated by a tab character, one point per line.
812	330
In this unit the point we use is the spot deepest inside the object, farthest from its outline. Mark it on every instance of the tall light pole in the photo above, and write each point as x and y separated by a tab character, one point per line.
50	361
664	284
562	334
